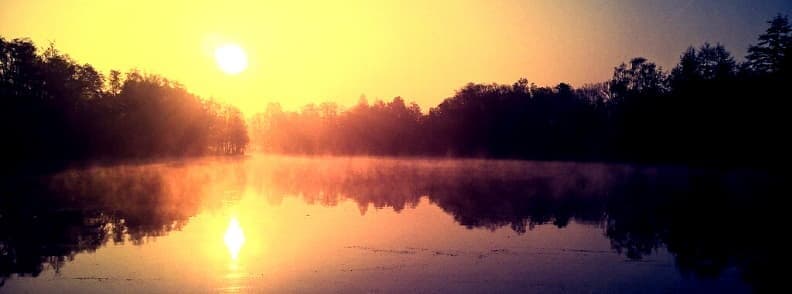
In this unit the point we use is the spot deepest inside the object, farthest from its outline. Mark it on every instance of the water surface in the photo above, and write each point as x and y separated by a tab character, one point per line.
290	224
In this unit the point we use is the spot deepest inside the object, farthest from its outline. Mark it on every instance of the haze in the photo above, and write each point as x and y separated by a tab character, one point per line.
314	51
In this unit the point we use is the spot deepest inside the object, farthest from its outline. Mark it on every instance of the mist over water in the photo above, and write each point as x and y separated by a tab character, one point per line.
663	177
363	224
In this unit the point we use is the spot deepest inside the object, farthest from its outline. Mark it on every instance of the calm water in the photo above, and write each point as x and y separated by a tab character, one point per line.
283	224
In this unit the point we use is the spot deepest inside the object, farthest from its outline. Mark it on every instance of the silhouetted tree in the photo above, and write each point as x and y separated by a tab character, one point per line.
638	78
768	55
57	111
705	111
706	64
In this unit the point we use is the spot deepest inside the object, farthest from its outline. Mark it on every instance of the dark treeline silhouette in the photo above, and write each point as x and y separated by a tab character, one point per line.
709	220
708	109
55	110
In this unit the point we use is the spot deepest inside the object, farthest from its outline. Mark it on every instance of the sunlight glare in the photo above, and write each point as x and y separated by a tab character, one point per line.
234	238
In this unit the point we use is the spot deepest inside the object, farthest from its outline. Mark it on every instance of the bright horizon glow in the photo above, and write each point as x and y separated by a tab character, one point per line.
231	59
302	52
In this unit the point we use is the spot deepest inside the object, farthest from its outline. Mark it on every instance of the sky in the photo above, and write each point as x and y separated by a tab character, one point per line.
303	52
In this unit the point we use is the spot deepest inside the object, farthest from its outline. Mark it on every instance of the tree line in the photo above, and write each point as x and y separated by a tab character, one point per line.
55	110
708	109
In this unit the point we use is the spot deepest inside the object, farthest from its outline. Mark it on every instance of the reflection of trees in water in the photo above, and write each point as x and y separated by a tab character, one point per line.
709	220
45	222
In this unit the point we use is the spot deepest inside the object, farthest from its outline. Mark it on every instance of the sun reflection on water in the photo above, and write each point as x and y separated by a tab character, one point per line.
234	238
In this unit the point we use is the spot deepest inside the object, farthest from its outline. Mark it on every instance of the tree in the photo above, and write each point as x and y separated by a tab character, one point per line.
767	56
115	81
708	63
55	111
639	78
715	62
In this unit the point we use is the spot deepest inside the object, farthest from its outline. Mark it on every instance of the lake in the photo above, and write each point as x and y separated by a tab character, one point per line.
332	224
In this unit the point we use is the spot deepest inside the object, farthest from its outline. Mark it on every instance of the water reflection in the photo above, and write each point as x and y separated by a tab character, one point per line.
234	238
710	220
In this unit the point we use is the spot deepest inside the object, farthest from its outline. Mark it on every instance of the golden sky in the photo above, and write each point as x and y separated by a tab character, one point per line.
313	51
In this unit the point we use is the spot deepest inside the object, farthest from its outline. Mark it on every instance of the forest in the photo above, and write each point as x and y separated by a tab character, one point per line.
56	111
709	109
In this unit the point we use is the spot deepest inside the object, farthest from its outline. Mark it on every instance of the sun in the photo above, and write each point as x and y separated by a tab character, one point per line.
231	59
